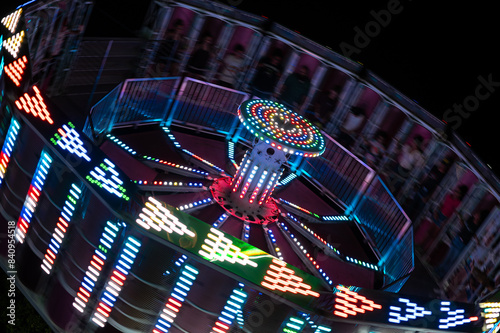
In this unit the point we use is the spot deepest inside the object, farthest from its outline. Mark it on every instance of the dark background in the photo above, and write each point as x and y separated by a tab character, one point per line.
433	52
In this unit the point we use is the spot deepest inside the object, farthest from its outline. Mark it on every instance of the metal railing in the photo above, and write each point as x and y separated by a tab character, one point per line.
388	230
206	105
132	101
339	173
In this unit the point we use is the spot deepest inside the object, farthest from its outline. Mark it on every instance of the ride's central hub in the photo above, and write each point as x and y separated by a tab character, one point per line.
279	133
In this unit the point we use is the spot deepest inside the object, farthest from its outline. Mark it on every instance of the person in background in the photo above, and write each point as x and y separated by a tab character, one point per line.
426	188
352	123
171	50
467	231
198	63
295	89
433	226
408	157
267	75
375	149
231	67
324	106
449	205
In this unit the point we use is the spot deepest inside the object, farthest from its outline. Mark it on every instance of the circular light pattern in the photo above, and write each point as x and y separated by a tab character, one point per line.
281	128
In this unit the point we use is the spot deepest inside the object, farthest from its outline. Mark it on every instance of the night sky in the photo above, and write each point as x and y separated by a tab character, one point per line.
435	55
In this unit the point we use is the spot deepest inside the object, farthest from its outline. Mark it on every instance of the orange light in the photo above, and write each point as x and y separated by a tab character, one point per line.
284	279
349	305
34	105
15	70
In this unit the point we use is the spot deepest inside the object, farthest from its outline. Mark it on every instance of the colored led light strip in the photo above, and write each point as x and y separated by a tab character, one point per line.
240	173
352	260
68	139
491	312
8	147
13	44
455	317
287	179
171	137
495	329
115	283
155	215
294	325
121	144
346	303
335	218
259	186
220	220
197	204
299	208
269	189
217	247
61	228
32	197
362	263
233	306
246	231
281	278
230	151
178	145
90	279
15	70
239	315
180	291
167	183
26	3
1	60
34	105
273	241
249	181
319	328
10	21
175	165
105	176
311	259
412	311
204	161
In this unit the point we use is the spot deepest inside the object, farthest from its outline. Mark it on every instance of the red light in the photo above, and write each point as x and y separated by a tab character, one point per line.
116	280
15	70
34	105
349	305
104	306
284	279
103	312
